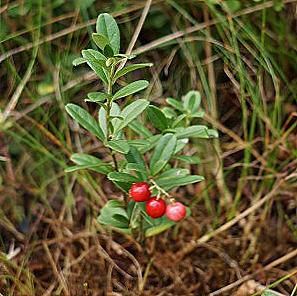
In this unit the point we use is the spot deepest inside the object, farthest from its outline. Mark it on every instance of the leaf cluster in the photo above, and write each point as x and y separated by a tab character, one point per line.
150	154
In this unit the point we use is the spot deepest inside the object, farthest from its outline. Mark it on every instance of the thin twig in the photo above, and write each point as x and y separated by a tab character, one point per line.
58	274
155	185
137	31
139	26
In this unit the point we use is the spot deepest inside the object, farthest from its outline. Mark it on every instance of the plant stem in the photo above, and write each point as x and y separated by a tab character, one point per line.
108	105
155	185
114	161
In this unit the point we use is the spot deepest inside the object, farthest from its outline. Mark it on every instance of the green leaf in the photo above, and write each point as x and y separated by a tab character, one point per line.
170	183
86	161
121	72
107	26
96	97
85	120
198	114
134	210
78	61
114	111
126	56
175	104
122	177
169	112
93	60
135	167
163	152
120	146
173	173
179	120
108	51
134	157
188	159
124	186
192	101
180	145
130	89
212	133
140	129
129	113
130	207
100	40
154	140
170	174
82	159
155	230
101	169
94	55
197	131
114	214
157	118
140	144
144	145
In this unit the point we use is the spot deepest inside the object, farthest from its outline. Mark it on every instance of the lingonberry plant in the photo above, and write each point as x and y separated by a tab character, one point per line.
146	161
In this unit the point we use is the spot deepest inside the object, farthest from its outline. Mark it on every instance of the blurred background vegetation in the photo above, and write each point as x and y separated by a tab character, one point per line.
241	56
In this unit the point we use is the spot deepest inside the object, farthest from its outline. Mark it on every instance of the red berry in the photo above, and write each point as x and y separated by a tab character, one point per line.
176	211
140	191
155	207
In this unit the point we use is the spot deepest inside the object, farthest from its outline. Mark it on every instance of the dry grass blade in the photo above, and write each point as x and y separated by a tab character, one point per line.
205	238
59	275
204	25
266	268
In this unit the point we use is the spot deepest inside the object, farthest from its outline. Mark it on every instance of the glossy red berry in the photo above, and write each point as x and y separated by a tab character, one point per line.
140	191
155	208
176	211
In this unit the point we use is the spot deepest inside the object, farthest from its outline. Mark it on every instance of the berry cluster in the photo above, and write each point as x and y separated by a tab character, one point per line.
156	207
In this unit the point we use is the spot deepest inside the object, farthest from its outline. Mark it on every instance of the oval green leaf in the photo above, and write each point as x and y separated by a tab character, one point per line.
163	152
129	113
107	26
157	118
85	120
120	146
130	89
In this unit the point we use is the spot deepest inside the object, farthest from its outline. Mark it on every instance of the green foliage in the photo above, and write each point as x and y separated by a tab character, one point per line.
114	214
129	113
85	120
163	152
162	145
85	161
157	118
120	146
130	68
130	89
106	26
96	97
97	62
